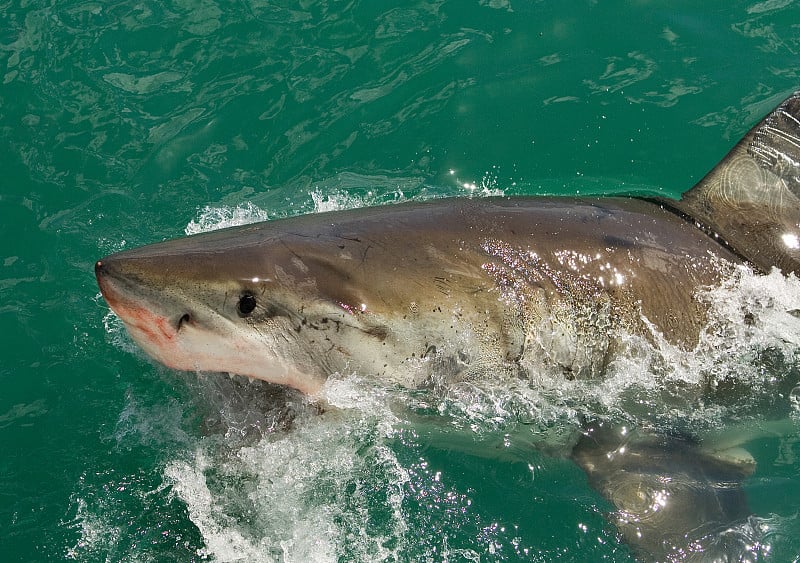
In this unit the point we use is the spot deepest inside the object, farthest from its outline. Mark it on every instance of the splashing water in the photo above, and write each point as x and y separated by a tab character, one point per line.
213	218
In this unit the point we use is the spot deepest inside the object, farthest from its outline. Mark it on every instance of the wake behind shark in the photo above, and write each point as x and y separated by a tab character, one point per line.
432	293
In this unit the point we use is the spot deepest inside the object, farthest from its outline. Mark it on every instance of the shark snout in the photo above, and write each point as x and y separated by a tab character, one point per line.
104	274
127	293
112	274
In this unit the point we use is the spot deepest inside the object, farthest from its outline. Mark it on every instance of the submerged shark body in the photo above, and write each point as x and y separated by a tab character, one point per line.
425	294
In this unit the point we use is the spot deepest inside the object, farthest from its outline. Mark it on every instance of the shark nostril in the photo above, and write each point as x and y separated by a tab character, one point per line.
186	318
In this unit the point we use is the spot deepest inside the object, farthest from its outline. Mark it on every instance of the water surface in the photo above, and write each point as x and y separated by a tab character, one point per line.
126	123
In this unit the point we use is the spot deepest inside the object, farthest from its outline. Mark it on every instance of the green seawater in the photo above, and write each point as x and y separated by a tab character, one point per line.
124	123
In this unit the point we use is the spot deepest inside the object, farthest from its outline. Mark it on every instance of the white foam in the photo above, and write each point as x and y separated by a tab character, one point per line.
756	309
221	535
95	535
213	218
337	200
297	497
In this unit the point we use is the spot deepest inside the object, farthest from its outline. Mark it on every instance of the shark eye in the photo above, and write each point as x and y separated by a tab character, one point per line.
246	305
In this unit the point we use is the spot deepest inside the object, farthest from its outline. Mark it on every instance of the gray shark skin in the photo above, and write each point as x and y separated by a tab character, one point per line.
425	294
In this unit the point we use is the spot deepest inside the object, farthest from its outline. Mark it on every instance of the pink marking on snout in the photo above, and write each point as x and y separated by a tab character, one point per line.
153	332
195	349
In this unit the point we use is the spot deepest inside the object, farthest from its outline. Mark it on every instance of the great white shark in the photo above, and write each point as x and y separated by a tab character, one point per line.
430	293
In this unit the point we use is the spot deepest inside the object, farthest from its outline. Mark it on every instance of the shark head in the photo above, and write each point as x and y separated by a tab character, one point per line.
288	302
218	306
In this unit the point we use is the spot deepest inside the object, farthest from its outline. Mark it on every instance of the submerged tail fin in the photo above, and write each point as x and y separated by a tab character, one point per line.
751	199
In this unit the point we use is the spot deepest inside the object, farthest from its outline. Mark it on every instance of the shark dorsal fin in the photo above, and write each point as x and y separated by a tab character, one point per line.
751	199
776	143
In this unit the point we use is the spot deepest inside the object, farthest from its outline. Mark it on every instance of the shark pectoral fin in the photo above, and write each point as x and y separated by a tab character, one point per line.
671	497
